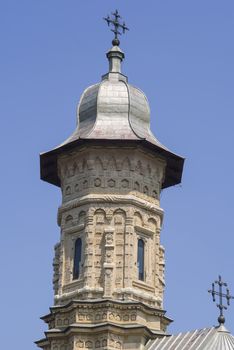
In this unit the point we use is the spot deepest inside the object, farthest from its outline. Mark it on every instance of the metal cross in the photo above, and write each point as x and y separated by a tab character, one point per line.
221	295
117	25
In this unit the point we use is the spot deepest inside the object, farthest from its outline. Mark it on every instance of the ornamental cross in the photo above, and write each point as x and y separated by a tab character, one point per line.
221	295
117	25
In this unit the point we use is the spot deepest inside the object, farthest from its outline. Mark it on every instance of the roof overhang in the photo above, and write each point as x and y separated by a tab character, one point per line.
174	163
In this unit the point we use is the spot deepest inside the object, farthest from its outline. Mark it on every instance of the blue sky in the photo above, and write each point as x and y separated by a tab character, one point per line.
181	54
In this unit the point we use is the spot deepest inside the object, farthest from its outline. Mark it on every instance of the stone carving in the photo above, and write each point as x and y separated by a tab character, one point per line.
118	345
139	168
112	164
112	342
125	183
152	224
100	216
79	344
110	169
104	316
89	344
161	268
69	219
109	238
81	217
89	317
111	183
108	272
126	164
99	164
70	171
97	344
117	317
119	216
68	190
113	201
108	199
56	268
104	342
136	186
138	221
149	171
97	182
84	165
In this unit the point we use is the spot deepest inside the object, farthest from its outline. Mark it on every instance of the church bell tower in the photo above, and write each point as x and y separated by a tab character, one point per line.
109	263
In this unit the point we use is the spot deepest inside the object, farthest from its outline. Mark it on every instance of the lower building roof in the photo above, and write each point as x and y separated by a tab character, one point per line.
215	338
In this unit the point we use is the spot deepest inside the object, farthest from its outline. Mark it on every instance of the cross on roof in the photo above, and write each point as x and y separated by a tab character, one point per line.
221	295
117	25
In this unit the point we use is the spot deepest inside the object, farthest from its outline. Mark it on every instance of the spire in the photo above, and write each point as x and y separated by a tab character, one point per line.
115	55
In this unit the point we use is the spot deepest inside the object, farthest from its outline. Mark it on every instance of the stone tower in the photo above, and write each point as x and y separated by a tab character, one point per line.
109	264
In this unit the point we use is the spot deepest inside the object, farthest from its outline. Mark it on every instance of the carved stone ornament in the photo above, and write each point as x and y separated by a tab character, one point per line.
97	182
111	183
109	238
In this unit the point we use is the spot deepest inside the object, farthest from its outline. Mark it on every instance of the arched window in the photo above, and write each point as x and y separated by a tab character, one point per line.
140	259
77	258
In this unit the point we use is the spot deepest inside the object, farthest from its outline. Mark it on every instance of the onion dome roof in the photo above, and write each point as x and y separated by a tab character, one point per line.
113	111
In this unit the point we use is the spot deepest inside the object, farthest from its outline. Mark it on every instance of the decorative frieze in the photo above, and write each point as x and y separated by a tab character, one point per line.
111	171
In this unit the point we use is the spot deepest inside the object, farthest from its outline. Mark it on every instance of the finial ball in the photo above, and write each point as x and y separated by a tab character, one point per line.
115	42
221	319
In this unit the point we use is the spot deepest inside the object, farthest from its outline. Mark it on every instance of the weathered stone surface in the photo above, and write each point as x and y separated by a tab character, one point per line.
111	171
110	201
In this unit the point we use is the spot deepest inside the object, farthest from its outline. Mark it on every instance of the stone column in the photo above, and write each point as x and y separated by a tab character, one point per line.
109	262
89	252
129	253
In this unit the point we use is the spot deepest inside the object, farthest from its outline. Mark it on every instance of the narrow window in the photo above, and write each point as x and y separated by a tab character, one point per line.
77	259
140	259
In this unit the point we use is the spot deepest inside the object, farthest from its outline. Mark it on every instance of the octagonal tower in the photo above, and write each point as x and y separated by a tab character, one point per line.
109	263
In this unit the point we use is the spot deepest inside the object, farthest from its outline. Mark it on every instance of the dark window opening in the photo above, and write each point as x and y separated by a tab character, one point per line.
77	259
140	259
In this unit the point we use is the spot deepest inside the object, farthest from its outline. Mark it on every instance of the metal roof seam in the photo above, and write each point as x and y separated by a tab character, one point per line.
205	338
184	346
177	337
177	346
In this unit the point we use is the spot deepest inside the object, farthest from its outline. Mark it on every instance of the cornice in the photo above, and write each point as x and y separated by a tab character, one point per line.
108	198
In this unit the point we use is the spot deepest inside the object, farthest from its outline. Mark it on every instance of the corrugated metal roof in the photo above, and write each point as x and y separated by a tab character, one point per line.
215	338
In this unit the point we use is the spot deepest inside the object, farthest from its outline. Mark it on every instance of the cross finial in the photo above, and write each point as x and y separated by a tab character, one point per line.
221	295
117	25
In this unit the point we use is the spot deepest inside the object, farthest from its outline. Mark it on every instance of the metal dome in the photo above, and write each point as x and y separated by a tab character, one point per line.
113	111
